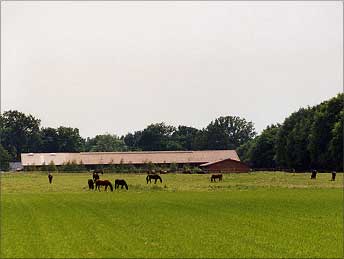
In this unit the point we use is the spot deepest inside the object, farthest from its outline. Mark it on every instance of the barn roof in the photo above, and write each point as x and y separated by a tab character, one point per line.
219	161
158	157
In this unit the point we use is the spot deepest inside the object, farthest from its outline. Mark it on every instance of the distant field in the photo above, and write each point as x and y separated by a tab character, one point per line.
256	215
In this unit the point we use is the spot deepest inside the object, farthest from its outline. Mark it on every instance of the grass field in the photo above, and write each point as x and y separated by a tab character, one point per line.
256	215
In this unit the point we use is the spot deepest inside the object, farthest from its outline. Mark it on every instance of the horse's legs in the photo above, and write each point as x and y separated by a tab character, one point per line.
155	181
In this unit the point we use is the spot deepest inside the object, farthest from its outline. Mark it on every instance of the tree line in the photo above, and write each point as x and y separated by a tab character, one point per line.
310	138
22	133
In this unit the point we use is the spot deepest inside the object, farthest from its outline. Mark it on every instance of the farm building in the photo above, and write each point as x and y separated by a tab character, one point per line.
214	160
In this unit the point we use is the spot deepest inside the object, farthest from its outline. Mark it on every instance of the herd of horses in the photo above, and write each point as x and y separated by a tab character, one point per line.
95	183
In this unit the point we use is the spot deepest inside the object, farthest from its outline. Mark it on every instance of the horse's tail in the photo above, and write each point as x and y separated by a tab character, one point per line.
111	187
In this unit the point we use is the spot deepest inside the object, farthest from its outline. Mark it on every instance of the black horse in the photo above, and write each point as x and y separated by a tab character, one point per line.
95	176
314	174
105	183
50	177
120	182
333	175
153	176
90	184
216	176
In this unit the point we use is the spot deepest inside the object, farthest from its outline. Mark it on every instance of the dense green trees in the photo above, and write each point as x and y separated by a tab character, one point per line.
309	138
222	133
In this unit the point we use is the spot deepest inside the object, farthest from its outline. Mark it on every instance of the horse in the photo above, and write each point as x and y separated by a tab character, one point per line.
120	182
95	176
153	176
216	176
314	174
50	177
90	184
105	183
333	175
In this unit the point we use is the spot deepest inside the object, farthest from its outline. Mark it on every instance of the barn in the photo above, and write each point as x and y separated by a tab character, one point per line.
226	166
208	160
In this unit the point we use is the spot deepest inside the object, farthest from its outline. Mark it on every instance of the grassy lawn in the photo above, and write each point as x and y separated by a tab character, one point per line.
257	215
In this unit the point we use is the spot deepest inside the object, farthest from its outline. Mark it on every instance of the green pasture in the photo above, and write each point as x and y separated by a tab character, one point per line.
256	215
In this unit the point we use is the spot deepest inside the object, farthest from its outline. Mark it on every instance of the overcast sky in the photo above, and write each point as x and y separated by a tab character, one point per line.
116	67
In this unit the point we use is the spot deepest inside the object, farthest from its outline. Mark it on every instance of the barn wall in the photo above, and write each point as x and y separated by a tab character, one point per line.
228	166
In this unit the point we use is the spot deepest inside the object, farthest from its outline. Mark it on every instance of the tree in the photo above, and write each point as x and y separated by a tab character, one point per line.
69	140
263	151
324	130
4	159
336	145
156	137
105	143
19	133
229	132
184	137
50	140
132	140
293	138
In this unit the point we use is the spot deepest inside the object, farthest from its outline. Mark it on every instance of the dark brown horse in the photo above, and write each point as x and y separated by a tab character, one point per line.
105	183
95	176
90	184
216	176
314	174
50	177
120	182
153	176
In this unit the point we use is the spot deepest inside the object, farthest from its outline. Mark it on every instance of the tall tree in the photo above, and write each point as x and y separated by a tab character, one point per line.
69	140
105	143
50	138
156	137
132	140
184	137
229	132
326	117
19	133
292	140
336	145
4	159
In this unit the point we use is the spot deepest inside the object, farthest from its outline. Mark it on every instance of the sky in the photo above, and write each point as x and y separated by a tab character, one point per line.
116	67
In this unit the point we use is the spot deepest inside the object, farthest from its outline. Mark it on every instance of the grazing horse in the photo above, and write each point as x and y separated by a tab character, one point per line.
90	184
216	176
95	176
314	174
153	176
105	183
120	182
333	175
50	177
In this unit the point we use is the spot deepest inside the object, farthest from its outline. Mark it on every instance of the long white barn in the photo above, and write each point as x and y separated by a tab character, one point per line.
135	158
